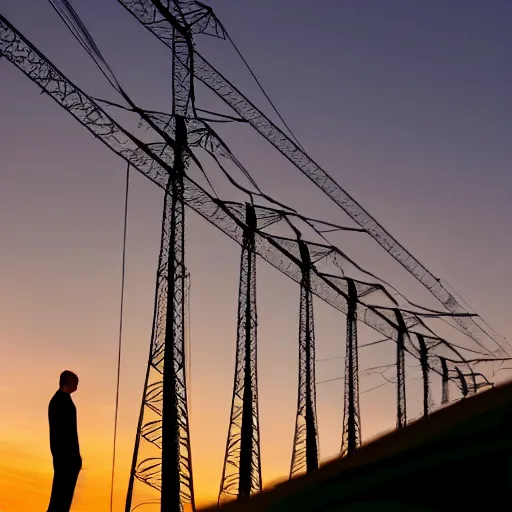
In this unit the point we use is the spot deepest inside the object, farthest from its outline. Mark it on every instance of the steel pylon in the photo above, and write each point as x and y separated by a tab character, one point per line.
425	374
163	420
445	381
401	403
241	474
305	453
351	436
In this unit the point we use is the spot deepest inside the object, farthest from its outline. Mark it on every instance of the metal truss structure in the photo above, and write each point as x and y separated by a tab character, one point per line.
445	380
351	435
425	374
154	160
164	413
305	455
162	17
171	472
401	402
241	474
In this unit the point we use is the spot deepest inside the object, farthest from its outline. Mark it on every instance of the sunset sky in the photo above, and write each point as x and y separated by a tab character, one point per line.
407	104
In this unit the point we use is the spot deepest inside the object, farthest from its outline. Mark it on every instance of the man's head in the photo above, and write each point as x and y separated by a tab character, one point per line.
68	381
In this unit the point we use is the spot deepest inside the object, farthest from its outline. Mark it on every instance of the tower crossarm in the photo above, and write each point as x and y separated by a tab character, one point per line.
189	15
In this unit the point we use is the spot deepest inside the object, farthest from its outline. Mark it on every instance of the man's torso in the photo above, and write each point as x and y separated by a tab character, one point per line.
63	427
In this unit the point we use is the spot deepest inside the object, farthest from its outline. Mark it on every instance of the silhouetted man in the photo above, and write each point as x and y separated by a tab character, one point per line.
64	446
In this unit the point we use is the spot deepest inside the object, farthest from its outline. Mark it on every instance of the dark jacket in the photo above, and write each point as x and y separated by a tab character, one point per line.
63	428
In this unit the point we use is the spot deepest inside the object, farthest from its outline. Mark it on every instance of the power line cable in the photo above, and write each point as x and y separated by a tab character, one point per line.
121	317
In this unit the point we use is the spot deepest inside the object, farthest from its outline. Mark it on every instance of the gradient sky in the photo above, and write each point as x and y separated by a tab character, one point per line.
407	104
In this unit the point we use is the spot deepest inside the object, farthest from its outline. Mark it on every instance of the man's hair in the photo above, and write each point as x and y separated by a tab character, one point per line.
66	377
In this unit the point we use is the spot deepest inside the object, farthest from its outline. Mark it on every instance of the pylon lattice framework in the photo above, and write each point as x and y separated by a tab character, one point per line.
166	395
425	374
164	413
305	453
401	413
154	162
351	437
445	390
161	18
241	474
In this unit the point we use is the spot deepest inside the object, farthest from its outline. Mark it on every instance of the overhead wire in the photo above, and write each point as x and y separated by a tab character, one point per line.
87	42
300	146
216	75
188	339
369	344
226	117
120	339
260	85
320	232
80	32
470	308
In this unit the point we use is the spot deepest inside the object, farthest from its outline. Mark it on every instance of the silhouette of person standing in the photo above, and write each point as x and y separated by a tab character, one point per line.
64	446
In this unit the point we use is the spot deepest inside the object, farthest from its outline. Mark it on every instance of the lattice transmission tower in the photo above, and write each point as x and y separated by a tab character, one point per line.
305	453
162	16
241	474
445	381
401	402
425	374
164	420
351	437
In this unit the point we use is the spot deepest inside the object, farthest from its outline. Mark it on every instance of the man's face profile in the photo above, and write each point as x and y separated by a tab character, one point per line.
69	382
72	385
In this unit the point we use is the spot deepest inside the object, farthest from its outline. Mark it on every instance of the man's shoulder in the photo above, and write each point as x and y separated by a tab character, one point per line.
57	398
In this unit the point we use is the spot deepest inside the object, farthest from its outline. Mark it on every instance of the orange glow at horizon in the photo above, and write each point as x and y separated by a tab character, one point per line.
26	476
